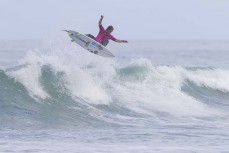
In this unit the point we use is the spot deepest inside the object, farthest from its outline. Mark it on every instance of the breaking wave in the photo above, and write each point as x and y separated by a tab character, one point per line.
63	87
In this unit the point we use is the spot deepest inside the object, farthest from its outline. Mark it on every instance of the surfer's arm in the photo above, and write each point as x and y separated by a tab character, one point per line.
101	19
117	40
121	41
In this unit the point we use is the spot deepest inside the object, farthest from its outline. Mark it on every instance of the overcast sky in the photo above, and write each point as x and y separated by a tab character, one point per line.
132	19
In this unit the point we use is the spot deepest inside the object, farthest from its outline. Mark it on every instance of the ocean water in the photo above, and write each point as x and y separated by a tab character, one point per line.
154	96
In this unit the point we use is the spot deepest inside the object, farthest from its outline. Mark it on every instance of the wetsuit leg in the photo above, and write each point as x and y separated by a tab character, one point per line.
105	42
91	36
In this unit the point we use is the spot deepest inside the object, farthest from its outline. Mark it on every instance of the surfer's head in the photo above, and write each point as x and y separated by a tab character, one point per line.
109	29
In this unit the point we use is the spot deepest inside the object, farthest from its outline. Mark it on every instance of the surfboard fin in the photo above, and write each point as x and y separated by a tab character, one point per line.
87	43
100	47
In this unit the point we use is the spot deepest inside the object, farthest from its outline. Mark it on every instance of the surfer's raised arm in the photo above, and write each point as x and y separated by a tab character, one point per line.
101	19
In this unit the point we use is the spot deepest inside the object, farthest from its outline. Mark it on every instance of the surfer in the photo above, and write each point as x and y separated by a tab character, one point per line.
104	35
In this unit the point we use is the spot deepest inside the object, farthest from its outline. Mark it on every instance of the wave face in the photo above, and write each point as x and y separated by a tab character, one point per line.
68	89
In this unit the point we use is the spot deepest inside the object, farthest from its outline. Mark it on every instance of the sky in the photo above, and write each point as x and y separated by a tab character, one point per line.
132	19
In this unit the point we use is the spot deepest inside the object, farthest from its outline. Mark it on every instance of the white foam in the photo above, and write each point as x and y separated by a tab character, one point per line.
215	79
95	80
29	77
82	85
160	92
85	75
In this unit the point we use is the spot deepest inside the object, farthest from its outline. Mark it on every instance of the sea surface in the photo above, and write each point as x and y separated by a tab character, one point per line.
155	96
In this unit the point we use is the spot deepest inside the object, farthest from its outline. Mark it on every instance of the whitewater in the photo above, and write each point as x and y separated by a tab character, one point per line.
154	96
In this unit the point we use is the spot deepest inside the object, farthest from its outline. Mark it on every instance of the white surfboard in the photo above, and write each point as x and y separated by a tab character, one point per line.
89	44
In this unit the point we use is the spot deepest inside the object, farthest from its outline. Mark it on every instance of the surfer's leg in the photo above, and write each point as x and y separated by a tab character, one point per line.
91	36
105	42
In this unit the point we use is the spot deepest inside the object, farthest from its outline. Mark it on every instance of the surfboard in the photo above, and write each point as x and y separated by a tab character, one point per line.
89	44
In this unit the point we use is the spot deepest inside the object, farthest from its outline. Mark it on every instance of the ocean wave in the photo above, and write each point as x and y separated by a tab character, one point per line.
50	89
60	86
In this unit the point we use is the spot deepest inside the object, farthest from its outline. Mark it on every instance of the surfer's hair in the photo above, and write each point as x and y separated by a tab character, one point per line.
110	28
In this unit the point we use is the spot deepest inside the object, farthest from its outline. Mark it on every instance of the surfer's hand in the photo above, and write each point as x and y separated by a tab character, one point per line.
121	41
101	19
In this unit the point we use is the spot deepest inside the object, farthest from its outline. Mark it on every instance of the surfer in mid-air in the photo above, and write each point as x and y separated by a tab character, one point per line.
104	35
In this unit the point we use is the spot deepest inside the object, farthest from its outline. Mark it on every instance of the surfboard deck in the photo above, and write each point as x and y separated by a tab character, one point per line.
89	44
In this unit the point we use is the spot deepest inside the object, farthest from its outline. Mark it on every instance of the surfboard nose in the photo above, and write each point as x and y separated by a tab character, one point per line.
65	30
68	31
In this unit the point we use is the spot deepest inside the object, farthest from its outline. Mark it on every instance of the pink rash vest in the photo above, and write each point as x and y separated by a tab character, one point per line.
103	35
